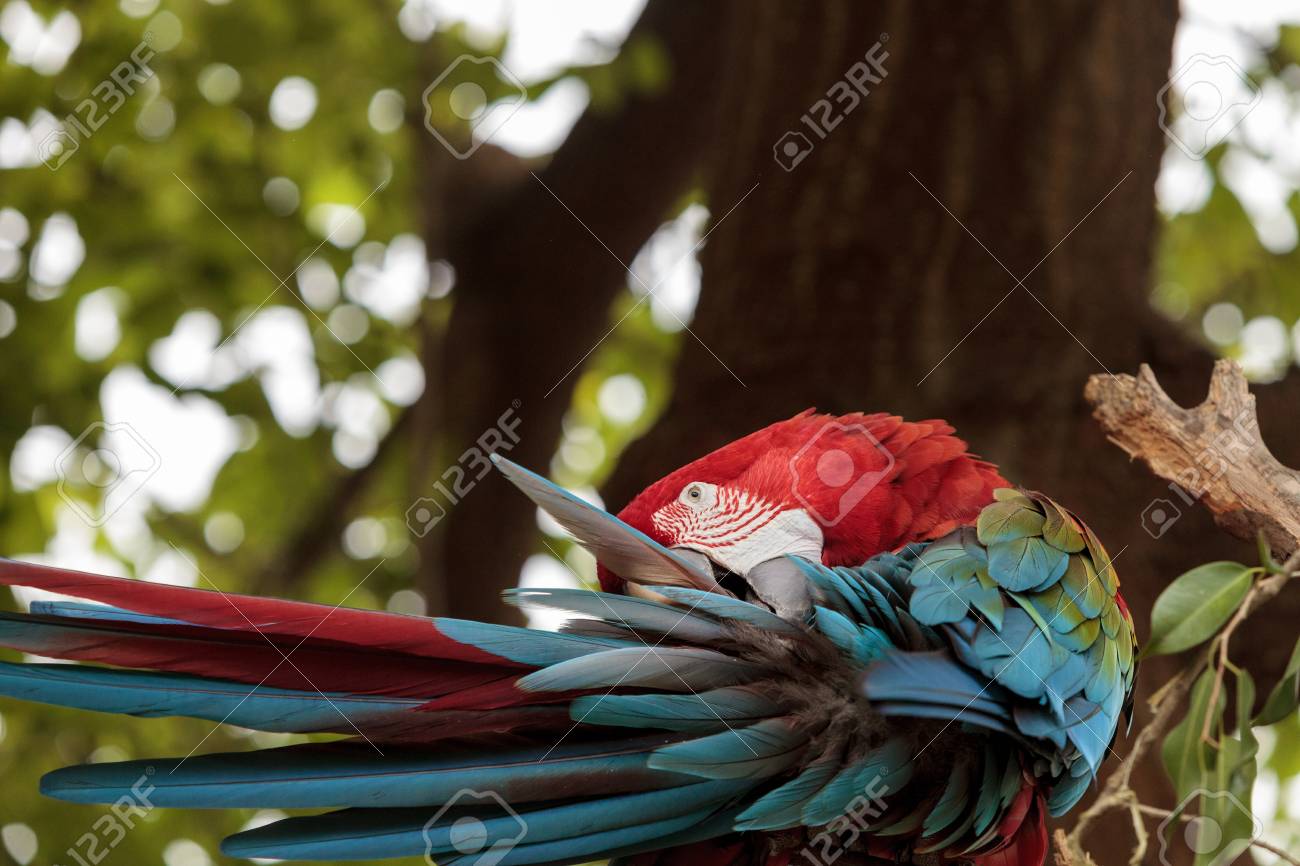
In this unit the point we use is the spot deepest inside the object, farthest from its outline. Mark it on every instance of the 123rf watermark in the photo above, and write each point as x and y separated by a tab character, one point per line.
1210	463
109	830
91	113
112	459
457	108
826	479
1203	101
840	100
1214	839
468	470
840	835
478	828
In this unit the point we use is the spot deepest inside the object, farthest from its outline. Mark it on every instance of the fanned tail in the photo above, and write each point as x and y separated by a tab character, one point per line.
438	711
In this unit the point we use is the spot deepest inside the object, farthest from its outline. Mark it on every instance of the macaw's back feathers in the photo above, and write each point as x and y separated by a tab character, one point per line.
946	695
1027	599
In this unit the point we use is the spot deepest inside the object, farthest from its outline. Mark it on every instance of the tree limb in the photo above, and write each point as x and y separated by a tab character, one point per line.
1213	451
533	294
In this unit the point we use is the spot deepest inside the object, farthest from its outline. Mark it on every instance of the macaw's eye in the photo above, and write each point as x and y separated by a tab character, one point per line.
698	494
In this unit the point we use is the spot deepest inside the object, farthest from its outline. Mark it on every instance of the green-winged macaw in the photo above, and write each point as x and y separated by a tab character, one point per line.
836	638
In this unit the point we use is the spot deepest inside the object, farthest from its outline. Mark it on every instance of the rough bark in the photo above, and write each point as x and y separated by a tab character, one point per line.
533	292
1212	452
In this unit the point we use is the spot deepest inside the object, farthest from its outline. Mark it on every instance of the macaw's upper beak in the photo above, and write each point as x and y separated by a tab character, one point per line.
628	552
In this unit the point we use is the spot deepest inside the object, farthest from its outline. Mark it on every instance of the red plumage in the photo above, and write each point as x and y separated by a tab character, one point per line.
245	639
923	484
248	613
872	483
1025	826
922	481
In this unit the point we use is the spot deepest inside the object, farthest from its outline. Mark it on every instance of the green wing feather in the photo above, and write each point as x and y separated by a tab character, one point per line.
1031	564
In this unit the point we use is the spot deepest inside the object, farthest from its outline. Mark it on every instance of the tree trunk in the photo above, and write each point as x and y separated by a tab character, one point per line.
846	284
534	289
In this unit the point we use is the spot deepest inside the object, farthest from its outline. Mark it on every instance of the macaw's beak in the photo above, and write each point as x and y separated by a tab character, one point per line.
781	585
644	563
628	552
777	583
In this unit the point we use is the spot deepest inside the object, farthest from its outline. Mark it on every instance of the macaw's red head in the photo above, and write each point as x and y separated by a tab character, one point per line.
835	489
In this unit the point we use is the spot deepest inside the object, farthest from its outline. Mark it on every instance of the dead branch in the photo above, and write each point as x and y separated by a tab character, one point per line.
1213	451
1064	855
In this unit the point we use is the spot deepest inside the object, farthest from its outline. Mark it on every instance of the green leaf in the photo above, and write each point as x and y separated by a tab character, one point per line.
1271	565
1285	757
1285	697
1196	605
1187	758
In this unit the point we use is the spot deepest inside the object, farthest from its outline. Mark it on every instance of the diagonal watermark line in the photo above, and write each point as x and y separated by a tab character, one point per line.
649	290
649	650
683	258
704	237
538	178
1020	283
284	658
637	634
217	727
978	695
1016	656
226	226
974	237
1099	203
972	330
710	351
1067	330
596	345
281	283
278	664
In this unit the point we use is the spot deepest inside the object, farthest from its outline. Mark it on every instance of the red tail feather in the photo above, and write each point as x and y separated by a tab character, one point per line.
247	613
1027	820
245	639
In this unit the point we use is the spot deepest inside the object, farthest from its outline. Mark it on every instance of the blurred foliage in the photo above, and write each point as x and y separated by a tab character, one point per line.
1227	268
171	199
1228	263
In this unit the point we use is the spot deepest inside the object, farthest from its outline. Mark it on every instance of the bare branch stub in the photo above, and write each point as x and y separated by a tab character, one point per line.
1213	452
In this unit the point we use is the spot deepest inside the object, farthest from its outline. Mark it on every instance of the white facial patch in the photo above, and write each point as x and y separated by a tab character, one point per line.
737	530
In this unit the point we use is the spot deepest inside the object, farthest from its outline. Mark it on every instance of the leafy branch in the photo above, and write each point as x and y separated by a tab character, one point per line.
1214	453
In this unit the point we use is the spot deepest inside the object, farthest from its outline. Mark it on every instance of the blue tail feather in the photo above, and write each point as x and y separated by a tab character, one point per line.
108	690
365	834
354	774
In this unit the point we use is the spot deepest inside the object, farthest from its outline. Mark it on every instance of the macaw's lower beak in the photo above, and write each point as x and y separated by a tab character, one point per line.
781	585
776	583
